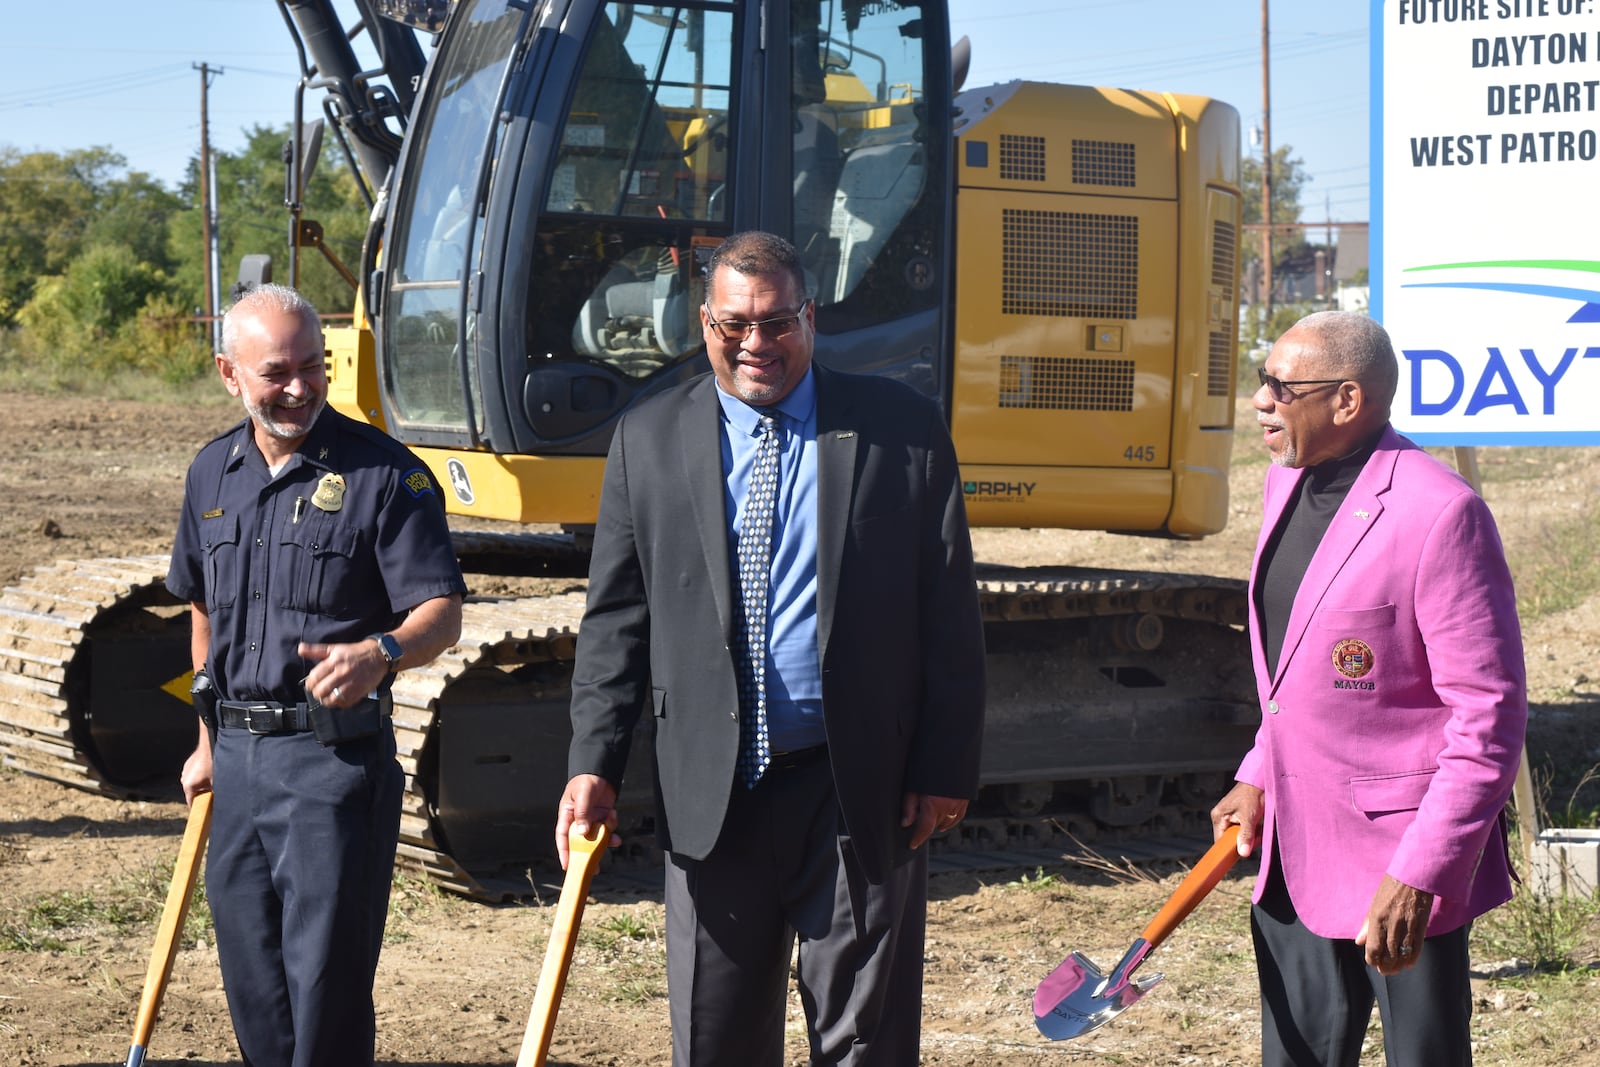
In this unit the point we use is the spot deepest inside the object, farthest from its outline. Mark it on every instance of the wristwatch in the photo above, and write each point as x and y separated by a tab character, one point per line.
390	648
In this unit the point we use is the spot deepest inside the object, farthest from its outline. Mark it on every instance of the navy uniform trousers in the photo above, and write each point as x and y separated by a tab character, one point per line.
300	862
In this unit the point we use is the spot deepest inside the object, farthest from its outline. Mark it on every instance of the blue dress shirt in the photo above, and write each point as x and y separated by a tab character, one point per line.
794	672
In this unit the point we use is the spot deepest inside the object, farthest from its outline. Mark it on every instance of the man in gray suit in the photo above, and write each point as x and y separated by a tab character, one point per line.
817	690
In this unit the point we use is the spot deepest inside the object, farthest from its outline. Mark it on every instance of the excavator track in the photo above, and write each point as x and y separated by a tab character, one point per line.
1119	703
81	643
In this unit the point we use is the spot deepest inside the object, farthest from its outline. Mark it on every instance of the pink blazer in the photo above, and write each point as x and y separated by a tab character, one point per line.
1391	734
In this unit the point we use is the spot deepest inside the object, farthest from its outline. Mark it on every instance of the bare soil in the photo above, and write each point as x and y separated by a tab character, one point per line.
90	477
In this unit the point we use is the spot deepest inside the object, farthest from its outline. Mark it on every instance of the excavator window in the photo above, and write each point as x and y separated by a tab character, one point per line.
866	225
429	249
647	147
640	173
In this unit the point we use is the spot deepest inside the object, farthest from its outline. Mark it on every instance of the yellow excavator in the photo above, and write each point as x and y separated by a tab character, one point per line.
1056	265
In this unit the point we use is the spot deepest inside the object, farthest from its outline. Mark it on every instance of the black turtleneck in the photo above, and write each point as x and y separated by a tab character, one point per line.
1288	552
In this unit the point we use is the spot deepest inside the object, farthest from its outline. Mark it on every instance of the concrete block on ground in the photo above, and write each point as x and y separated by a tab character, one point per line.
1566	863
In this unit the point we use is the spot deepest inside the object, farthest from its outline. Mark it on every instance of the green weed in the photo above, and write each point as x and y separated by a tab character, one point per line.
1578	815
50	923
415	902
56	922
629	926
1545	932
637	991
609	933
1550	933
1038	881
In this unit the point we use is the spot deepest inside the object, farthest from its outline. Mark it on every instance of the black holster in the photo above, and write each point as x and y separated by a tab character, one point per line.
204	697
334	726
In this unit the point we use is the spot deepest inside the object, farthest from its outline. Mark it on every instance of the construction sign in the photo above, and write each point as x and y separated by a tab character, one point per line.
1485	239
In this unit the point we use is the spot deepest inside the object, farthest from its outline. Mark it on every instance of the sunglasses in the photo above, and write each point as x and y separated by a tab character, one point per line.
1281	390
779	326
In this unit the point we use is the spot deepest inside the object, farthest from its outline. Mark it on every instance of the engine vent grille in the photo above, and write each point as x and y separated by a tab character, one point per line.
1217	380
1058	384
1021	157
1224	253
1070	263
1103	163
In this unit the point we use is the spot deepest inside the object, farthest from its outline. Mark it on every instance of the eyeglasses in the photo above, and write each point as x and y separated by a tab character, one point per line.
778	326
1280	388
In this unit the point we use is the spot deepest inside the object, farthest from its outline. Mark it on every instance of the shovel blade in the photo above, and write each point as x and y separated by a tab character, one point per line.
1077	997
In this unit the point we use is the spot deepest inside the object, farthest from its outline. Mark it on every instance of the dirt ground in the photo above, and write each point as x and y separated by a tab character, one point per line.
88	478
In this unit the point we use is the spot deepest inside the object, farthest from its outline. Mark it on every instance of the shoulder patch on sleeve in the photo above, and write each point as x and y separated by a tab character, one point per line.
418	481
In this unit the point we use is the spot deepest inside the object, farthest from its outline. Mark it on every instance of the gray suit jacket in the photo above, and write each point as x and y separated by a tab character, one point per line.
901	642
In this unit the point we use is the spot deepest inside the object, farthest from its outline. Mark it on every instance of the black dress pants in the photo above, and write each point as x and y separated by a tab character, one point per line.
783	868
1317	995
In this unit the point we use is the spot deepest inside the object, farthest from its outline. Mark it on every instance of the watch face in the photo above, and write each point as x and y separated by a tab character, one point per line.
388	646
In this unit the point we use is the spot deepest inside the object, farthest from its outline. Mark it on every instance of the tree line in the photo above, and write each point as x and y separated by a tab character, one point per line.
102	268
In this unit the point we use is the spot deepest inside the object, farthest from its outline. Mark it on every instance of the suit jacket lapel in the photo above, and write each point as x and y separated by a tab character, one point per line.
1362	507
837	437
700	452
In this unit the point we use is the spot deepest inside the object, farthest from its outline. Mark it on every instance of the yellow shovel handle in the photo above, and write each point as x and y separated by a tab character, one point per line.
581	865
170	929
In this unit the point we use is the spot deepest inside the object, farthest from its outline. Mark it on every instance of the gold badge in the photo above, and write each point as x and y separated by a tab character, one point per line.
330	493
1352	658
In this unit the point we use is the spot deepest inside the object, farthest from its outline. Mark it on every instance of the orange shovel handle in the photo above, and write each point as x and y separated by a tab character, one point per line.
582	862
1194	887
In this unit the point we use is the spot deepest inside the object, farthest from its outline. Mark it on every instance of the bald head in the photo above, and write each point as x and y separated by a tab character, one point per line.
1351	345
265	300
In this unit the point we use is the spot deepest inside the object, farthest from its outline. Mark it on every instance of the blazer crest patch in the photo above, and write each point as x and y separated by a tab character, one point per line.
1352	657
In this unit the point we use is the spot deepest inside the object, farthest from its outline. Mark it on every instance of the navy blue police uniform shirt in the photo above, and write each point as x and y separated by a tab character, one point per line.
280	560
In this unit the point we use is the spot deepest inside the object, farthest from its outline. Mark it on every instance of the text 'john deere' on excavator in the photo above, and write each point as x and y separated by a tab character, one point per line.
1054	264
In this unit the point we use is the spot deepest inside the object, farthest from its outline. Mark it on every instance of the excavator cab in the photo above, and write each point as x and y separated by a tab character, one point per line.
570	167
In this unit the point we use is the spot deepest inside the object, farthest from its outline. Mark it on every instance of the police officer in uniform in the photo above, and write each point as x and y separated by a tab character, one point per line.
314	552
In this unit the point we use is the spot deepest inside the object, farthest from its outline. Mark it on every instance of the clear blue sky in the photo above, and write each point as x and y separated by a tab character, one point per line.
123	75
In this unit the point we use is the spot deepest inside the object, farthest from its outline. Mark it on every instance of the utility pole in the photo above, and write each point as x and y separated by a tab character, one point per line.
1266	170
1327	215
208	209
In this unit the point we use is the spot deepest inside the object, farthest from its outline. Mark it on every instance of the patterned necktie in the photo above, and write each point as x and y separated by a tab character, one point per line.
755	571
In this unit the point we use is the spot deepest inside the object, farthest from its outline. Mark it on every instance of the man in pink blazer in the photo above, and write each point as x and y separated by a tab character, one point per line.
1389	665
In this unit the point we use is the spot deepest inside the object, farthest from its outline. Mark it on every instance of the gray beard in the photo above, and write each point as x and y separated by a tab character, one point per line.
263	418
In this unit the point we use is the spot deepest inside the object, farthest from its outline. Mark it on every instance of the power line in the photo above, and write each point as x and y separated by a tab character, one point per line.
1190	58
108	83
